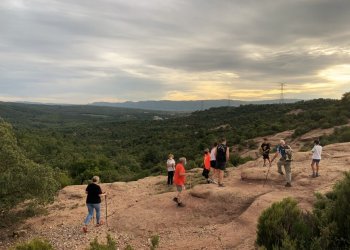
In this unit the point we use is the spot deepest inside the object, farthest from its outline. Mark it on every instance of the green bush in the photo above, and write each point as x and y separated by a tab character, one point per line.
332	211
111	244
35	244
155	242
285	224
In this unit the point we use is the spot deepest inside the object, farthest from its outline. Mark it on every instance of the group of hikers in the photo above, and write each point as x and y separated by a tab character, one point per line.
215	159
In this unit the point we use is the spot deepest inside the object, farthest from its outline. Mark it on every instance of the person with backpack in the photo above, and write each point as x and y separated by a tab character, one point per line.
179	180
206	165
316	158
170	164
93	202
222	154
265	149
285	151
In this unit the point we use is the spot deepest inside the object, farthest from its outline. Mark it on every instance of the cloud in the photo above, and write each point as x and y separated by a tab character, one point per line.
83	51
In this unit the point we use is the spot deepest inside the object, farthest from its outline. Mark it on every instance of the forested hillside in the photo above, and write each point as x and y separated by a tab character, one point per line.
120	144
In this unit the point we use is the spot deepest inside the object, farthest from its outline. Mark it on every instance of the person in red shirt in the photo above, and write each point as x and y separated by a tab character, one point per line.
206	162
179	180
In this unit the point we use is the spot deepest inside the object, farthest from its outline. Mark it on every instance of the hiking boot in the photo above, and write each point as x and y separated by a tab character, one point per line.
280	172
99	224
221	185
312	175
214	182
180	204
288	184
175	199
317	175
208	181
85	229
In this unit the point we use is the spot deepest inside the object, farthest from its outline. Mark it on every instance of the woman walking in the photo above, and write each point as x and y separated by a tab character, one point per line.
93	202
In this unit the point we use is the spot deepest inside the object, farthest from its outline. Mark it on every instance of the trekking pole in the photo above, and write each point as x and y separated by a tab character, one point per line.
267	174
106	210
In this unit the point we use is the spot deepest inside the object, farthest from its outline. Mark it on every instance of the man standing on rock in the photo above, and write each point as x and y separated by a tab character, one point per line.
286	159
265	148
316	158
222	155
179	180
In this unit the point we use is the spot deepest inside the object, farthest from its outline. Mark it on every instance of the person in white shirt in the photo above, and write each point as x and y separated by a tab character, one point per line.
170	165
316	158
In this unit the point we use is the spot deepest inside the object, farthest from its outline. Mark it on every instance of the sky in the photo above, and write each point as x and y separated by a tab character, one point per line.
83	51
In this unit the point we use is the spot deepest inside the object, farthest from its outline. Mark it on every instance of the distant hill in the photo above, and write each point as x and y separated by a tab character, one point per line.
166	105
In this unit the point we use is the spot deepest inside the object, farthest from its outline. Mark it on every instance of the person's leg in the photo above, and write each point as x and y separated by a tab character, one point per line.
288	171
279	167
317	167
168	178
313	168
98	212
221	177
90	214
264	161
171	177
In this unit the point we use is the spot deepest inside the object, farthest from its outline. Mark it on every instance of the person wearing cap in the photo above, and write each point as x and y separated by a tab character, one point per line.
316	158
93	202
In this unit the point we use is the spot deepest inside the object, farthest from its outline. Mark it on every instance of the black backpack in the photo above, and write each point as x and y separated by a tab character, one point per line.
221	153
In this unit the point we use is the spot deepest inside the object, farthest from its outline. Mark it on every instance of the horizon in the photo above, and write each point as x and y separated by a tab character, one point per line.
85	51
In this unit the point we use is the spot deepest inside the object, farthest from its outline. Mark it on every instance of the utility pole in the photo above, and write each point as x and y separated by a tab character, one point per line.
282	93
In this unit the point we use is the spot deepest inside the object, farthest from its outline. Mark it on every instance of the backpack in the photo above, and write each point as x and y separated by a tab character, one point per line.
288	153
221	153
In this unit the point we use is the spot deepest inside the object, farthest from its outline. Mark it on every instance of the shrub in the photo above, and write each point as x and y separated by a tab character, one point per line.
285	224
111	244
332	211
155	242
35	244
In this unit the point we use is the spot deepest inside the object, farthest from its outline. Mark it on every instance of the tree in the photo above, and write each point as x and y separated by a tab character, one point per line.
22	179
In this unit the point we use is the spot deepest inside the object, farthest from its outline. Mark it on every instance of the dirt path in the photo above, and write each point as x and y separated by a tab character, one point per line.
214	218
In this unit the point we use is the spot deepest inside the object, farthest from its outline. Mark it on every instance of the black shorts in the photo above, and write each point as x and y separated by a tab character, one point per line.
221	165
213	164
266	156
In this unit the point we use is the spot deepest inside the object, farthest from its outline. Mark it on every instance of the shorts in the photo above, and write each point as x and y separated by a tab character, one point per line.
266	156
179	188
221	165
213	164
317	161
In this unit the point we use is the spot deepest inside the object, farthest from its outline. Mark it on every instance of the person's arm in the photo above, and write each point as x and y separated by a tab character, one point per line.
215	151
274	157
227	153
102	193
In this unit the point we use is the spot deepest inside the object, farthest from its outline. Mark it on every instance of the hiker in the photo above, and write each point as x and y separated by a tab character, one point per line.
179	180
316	158
206	165
265	148
213	163
170	164
93	202
286	159
222	154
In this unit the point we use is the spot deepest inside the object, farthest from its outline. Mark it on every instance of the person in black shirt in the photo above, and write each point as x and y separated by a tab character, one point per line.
222	154
93	202
265	149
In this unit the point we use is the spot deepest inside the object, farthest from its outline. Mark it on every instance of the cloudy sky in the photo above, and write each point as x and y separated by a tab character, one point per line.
81	51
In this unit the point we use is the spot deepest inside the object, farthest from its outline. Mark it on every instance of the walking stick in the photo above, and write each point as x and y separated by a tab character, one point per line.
106	210
267	174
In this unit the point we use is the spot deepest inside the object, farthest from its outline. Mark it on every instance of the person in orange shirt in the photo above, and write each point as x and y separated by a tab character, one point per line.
206	168
179	180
